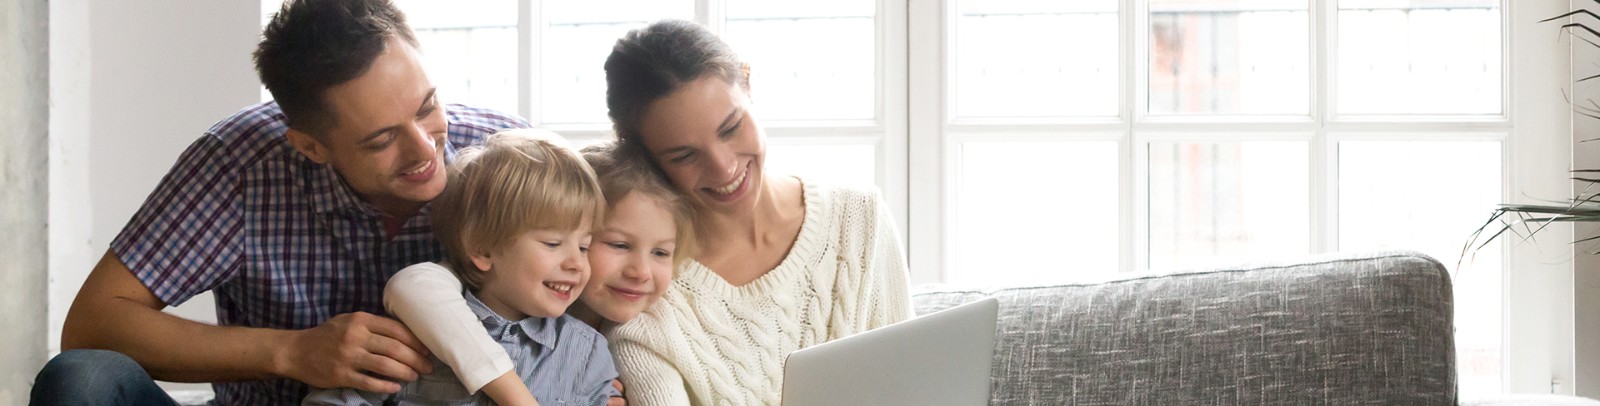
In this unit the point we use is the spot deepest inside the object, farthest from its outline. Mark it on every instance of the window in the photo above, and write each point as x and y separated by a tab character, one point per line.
1075	139
1031	141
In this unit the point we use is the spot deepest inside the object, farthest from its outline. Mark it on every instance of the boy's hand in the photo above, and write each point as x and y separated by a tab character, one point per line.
617	401
355	350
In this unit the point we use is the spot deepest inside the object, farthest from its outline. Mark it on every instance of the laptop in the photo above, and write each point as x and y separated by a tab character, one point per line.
938	359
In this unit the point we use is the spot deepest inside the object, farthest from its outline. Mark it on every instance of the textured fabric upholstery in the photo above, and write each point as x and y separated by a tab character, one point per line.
1364	329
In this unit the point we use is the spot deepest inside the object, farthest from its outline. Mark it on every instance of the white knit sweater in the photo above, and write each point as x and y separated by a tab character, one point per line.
711	343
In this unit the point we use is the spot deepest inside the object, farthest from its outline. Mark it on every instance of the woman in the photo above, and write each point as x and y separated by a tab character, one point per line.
784	263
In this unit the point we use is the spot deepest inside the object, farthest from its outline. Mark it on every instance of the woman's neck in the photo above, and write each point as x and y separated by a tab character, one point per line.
741	247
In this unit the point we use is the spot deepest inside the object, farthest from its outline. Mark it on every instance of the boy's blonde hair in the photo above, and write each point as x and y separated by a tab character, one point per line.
622	173
517	181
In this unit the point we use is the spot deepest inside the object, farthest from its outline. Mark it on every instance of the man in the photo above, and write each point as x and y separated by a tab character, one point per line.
294	213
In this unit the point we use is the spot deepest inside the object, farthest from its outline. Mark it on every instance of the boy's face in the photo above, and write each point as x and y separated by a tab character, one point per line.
537	275
631	259
389	133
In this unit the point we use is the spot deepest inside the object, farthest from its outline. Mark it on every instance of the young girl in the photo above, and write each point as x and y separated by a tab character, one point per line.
646	234
515	219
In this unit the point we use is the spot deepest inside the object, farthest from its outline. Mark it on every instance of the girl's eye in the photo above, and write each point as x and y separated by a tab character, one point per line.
552	244
662	253
583	249
618	245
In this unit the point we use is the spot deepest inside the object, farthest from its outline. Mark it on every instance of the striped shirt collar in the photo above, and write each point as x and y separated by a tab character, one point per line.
542	330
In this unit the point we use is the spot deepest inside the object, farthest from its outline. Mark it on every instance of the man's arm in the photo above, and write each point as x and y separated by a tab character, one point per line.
115	311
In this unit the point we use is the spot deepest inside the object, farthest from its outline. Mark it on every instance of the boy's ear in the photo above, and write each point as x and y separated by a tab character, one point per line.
307	145
481	261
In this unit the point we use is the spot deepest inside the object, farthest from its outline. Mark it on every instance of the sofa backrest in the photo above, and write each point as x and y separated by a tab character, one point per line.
1338	330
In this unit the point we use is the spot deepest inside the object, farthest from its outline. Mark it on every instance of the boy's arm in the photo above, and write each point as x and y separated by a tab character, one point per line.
115	311
427	298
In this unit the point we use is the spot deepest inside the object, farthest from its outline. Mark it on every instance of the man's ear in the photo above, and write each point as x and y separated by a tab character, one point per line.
308	146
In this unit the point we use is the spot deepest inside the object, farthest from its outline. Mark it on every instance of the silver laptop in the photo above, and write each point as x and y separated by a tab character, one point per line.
938	359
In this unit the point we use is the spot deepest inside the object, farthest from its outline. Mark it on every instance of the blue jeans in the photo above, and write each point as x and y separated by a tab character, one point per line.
96	377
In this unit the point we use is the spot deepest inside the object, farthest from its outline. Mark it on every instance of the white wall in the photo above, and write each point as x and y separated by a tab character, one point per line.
24	44
132	84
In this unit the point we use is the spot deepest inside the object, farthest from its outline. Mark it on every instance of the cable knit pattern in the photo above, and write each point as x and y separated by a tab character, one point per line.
710	343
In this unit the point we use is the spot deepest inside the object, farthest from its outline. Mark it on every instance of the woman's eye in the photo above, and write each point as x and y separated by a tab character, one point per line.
680	158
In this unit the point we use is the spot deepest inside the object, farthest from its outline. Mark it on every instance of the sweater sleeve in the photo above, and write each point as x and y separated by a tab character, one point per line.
886	282
647	378
427	298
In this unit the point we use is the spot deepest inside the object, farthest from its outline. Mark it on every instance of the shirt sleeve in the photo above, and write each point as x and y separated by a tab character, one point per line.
648	378
427	298
187	236
887	280
601	371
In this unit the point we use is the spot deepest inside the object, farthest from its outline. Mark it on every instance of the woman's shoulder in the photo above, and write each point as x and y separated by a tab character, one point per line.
842	198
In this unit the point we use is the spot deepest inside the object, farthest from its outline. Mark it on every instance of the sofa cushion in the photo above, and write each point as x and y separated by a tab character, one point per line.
1339	329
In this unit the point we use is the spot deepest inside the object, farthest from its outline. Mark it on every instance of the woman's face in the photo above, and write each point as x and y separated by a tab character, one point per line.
630	261
707	142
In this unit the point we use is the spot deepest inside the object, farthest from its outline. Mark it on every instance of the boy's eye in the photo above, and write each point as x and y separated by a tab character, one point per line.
552	244
618	245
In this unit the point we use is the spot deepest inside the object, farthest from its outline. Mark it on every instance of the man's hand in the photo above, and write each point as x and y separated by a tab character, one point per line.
355	350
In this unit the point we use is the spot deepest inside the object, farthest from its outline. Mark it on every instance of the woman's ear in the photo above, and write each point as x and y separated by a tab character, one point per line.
744	77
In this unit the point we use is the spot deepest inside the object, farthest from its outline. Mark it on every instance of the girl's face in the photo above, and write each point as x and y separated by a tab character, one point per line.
631	258
707	142
538	275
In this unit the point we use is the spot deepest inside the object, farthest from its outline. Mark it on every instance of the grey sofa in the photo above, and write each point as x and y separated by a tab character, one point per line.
1355	329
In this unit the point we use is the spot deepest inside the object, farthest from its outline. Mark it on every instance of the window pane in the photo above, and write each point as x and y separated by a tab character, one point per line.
1021	58
811	60
1227	202
1229	57
1034	213
1429	197
854	165
469	49
1419	57
573	50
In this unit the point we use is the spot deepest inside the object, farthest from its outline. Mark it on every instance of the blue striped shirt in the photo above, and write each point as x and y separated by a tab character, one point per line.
562	360
282	240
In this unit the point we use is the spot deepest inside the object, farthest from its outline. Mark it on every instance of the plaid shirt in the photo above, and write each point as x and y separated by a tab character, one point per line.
282	241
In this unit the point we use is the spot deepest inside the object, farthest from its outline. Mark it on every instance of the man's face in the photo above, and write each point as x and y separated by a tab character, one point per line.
388	137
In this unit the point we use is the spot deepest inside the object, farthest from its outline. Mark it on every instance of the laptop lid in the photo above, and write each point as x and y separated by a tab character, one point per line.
938	359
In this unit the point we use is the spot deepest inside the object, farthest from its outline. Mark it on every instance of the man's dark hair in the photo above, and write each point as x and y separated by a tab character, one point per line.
313	45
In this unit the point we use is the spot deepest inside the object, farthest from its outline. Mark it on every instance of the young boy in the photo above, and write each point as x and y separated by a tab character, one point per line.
515	220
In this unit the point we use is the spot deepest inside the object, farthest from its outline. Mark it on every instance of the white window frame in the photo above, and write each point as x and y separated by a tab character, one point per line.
1537	345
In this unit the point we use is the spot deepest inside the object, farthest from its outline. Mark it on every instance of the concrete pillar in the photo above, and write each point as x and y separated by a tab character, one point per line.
24	123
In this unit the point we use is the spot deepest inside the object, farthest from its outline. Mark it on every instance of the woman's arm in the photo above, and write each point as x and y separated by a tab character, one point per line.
427	298
886	279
